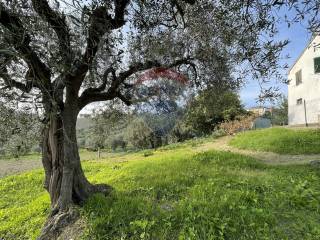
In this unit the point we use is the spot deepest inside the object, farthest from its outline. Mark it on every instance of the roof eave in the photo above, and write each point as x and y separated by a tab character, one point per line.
295	62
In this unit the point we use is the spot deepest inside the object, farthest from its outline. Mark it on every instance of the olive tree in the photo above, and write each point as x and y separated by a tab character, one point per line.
19	131
65	55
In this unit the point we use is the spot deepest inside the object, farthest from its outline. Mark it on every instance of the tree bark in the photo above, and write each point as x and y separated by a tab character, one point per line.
52	156
64	178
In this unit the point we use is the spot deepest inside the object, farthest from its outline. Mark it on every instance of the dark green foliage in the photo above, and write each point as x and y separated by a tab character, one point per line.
280	112
162	125
108	127
182	132
211	107
118	141
139	134
118	127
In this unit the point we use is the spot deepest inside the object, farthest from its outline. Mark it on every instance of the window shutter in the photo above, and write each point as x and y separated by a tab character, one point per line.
299	77
317	65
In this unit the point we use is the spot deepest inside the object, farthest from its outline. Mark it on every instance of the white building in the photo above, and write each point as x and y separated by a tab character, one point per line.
304	86
260	111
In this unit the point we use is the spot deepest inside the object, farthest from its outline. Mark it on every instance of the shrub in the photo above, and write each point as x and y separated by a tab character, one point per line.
147	153
211	107
118	142
182	132
218	133
241	124
139	134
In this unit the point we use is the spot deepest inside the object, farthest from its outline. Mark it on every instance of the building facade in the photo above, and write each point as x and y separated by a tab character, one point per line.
304	86
260	111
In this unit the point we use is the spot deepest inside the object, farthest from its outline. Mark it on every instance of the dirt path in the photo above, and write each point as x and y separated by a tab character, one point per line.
267	157
10	167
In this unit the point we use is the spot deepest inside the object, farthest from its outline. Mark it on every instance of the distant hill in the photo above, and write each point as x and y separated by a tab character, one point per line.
84	123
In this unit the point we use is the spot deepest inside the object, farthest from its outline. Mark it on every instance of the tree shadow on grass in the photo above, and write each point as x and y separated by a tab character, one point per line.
211	195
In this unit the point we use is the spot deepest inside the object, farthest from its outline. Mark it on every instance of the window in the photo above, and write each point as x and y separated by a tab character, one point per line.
316	65
299	101
298	77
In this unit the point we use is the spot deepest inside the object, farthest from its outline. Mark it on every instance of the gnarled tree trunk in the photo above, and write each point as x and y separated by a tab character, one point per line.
64	178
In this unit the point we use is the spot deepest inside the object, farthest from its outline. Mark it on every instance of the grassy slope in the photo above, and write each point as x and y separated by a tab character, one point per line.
280	140
178	194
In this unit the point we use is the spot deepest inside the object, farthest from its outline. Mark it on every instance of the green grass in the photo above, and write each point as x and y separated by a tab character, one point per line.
280	140
24	206
178	194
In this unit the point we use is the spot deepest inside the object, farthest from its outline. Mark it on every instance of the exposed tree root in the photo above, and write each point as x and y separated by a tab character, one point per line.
57	223
61	216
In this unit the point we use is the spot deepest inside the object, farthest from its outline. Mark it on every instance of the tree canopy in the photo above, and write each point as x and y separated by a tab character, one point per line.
211	107
63	55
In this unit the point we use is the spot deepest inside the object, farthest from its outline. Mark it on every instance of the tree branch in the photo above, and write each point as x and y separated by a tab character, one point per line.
124	99
89	92
20	39
9	82
58	23
91	97
105	78
138	67
94	94
100	23
191	2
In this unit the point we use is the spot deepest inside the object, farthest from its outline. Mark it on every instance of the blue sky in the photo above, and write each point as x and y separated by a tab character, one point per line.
298	36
